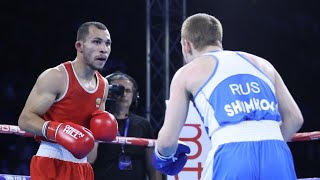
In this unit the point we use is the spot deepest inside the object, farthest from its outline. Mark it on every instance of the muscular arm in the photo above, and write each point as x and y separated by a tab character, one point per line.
48	86
292	118
175	116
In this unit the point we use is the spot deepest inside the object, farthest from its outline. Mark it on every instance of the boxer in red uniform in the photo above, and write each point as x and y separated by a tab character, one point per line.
66	106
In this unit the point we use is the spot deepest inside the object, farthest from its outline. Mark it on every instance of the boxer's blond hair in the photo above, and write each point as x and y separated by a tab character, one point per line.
202	30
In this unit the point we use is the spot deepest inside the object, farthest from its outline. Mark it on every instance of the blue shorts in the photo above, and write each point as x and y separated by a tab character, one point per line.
255	160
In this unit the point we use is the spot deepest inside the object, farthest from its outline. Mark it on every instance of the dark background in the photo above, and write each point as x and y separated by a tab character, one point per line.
36	35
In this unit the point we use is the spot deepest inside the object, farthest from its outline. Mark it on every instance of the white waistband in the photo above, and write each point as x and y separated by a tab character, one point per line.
247	131
56	151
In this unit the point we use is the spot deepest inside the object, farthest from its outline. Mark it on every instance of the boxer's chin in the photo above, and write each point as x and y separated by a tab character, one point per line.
98	65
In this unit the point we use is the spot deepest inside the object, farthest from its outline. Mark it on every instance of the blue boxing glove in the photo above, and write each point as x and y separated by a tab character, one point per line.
171	165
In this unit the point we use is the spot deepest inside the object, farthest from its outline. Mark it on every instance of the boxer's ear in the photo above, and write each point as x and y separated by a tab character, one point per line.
188	46
79	46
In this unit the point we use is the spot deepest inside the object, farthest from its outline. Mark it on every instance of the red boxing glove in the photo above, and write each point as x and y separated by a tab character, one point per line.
103	126
77	139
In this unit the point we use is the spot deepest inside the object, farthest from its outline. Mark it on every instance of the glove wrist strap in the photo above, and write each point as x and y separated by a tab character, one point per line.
161	156
44	129
49	130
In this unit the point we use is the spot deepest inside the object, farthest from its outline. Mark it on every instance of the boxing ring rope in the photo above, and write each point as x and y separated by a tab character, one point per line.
13	129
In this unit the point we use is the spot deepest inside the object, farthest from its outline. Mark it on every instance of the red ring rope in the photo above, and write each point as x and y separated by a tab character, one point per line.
13	129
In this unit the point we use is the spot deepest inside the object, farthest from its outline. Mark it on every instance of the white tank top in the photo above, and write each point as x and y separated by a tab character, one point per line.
236	91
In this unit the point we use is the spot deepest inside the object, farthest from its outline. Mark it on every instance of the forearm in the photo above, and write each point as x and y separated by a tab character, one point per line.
31	123
166	145
289	129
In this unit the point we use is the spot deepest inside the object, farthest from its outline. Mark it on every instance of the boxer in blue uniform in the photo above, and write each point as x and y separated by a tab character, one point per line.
246	108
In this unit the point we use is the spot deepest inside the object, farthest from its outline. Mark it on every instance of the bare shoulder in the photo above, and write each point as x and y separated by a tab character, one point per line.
261	63
53	79
258	61
196	73
180	76
186	71
53	75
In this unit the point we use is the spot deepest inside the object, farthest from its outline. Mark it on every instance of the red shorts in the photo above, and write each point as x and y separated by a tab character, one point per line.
44	168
